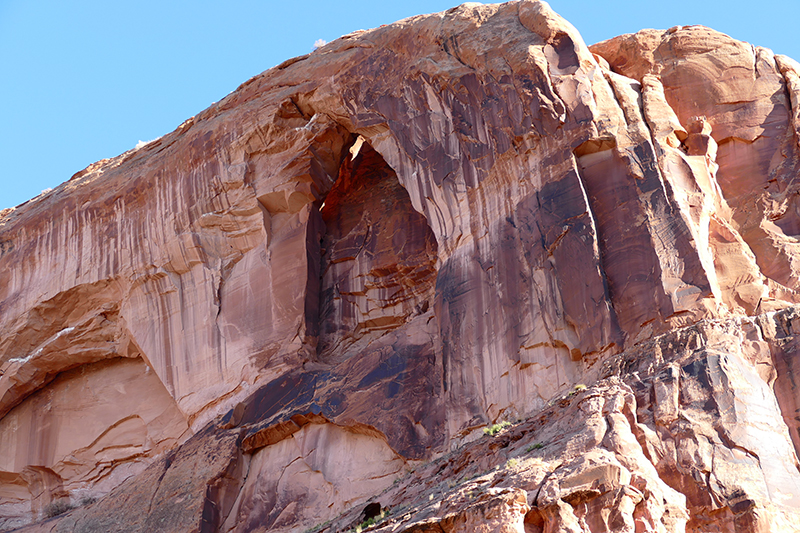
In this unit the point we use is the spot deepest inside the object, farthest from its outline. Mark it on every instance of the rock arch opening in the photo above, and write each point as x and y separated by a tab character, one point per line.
377	257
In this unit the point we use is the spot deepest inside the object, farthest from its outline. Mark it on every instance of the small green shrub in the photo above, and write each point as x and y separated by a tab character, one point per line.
496	428
372	521
317	527
536	446
511	463
576	389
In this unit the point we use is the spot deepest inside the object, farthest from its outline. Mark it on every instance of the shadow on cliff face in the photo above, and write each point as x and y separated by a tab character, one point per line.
354	294
369	316
376	254
369	383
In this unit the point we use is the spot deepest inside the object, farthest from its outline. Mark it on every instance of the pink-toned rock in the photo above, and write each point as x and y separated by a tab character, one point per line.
348	267
327	468
192	490
89	430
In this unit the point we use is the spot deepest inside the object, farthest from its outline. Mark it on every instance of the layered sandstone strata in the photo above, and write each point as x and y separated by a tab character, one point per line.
356	261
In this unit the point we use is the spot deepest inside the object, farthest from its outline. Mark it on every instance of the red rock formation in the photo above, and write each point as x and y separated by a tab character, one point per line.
317	293
378	256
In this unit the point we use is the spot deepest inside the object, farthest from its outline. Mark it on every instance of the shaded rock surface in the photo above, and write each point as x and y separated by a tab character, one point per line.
315	294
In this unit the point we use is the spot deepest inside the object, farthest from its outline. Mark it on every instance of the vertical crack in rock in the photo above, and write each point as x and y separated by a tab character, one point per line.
228	520
222	492
747	114
688	156
780	330
163	466
625	240
597	253
790	70
687	160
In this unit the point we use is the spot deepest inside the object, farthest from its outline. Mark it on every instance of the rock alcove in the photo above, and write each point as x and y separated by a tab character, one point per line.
377	256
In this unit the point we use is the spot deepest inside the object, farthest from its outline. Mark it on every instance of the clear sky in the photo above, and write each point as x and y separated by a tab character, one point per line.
83	80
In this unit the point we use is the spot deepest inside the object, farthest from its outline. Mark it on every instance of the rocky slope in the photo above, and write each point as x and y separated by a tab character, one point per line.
314	296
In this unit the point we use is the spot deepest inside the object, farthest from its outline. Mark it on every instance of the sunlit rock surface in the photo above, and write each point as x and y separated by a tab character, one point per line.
316	294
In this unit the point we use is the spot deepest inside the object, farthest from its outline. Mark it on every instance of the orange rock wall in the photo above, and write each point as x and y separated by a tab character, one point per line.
377	249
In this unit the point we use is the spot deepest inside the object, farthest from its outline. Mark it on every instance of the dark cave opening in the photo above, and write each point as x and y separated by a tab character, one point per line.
375	256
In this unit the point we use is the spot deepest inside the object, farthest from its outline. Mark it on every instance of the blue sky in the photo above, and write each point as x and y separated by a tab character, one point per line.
85	80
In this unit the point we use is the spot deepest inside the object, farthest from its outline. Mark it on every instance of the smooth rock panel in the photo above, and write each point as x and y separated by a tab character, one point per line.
89	430
302	480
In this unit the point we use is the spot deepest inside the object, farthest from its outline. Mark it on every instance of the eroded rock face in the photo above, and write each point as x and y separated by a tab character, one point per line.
693	446
378	256
189	489
89	430
327	468
360	258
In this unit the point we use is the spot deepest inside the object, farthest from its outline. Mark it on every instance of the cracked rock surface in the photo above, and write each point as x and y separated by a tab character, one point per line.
316	294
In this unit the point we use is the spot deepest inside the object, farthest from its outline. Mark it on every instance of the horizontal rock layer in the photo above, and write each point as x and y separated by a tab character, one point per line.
355	262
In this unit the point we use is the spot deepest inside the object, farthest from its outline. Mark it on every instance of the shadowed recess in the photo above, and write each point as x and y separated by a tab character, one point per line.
377	255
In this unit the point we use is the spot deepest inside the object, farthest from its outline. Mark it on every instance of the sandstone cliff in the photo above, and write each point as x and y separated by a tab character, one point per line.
319	292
